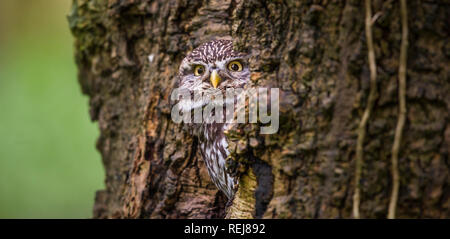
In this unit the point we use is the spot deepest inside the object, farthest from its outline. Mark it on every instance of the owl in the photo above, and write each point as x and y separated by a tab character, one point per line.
212	68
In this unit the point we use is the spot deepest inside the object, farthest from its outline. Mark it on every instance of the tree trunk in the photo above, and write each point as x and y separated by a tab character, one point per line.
128	53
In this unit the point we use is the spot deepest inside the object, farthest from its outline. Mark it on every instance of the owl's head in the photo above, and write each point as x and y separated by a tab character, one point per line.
214	66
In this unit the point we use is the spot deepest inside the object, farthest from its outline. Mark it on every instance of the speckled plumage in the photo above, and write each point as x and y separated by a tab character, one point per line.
214	55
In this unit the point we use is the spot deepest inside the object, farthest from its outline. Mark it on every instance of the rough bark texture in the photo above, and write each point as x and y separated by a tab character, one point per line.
128	53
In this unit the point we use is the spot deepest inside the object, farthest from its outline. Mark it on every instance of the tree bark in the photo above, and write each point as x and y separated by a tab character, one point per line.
128	53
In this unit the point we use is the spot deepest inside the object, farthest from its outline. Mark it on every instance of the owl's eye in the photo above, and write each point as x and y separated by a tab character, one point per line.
235	66
199	70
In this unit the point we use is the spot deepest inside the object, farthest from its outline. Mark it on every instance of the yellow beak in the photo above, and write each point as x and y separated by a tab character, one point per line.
215	79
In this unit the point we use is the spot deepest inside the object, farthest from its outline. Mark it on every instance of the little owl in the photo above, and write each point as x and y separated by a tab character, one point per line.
212	68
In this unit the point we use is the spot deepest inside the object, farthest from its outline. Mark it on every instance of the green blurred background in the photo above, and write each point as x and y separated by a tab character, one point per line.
49	167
